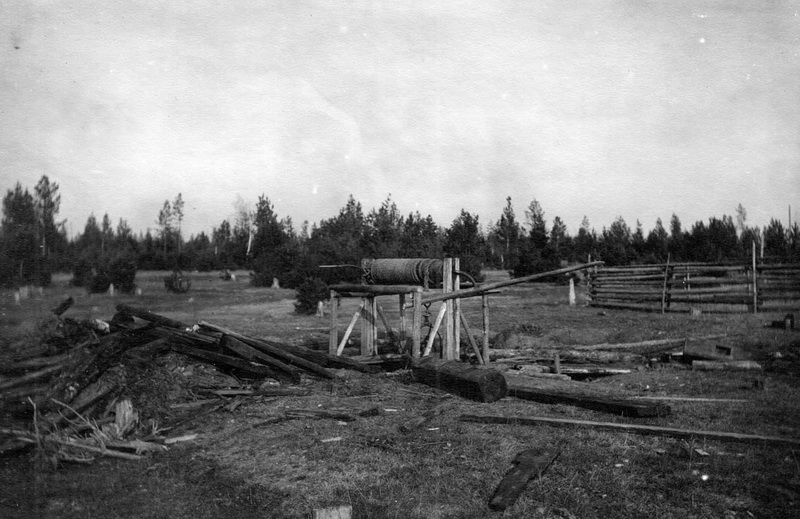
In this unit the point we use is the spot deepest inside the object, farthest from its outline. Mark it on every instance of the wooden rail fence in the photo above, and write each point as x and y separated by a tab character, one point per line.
705	287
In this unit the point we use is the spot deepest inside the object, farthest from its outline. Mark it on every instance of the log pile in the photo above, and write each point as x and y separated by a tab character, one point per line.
81	368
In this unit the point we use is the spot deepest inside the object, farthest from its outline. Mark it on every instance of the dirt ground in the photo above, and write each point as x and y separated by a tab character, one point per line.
253	462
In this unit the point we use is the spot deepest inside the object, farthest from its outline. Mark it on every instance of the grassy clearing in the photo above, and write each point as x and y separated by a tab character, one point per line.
244	465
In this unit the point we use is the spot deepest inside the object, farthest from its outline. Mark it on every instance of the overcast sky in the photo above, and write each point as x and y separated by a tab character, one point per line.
597	108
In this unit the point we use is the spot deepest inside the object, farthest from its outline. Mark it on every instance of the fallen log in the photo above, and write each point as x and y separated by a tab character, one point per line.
618	406
593	372
465	380
725	365
253	355
573	356
657	344
529	464
629	428
273	351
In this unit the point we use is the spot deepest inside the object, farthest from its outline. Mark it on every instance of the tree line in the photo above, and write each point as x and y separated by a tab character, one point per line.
34	243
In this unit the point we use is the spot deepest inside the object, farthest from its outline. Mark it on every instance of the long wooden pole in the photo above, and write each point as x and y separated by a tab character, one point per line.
479	290
632	428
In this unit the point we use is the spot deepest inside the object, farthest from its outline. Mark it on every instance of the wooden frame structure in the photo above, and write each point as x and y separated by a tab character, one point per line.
449	315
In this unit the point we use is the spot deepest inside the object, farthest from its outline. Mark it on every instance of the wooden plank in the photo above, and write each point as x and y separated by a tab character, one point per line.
629	428
529	464
617	406
725	365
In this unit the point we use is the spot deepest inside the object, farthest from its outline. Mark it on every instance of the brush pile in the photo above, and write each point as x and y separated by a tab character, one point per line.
73	391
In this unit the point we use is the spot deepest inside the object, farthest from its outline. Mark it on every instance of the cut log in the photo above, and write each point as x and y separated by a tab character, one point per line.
725	365
530	463
618	406
253	355
570	356
465	380
629	428
274	351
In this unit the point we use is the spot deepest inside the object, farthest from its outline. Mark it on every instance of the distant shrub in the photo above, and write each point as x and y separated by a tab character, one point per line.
309	294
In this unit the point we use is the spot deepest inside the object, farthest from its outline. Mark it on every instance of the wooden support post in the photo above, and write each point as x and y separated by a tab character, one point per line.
402	332
349	330
449	348
456	311
333	339
435	330
416	330
368	329
485	311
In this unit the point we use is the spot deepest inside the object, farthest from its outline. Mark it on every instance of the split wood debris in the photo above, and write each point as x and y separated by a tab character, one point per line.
81	364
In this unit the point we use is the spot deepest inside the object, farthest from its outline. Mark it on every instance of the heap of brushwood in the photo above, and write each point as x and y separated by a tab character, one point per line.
70	385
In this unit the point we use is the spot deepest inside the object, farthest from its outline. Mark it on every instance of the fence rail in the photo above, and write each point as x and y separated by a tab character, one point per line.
687	287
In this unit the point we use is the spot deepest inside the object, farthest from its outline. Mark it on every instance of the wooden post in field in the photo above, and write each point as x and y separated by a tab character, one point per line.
571	291
333	336
449	348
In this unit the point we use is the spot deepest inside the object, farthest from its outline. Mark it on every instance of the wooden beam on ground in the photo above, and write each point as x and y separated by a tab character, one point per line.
658	343
465	380
725	365
618	406
529	464
630	428
382	290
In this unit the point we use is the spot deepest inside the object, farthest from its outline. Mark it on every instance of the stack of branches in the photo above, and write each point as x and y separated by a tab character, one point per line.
85	370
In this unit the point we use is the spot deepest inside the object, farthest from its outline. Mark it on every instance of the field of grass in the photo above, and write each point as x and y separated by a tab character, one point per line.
245	463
